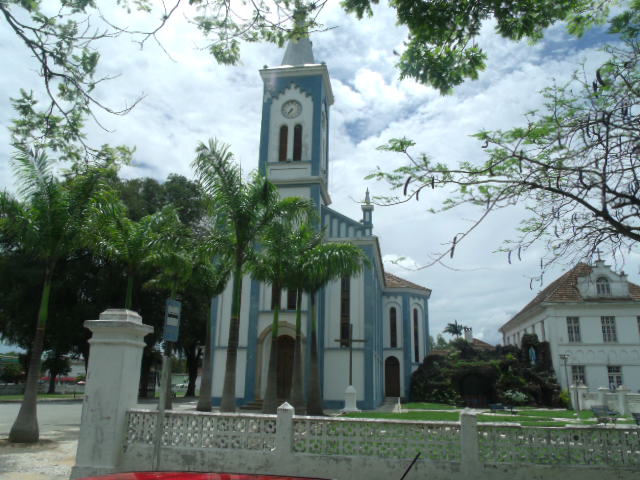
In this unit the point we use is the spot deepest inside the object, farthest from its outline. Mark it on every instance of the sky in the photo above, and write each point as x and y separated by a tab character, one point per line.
188	98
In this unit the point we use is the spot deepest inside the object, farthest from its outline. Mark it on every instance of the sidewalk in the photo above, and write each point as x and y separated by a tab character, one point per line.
54	455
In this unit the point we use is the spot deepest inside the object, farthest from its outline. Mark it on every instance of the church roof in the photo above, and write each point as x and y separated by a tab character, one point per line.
391	281
565	289
298	52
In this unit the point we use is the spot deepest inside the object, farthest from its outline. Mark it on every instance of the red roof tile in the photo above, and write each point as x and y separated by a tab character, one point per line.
391	281
564	289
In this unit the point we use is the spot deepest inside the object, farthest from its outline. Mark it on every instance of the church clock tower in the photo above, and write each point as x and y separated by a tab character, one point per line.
295	121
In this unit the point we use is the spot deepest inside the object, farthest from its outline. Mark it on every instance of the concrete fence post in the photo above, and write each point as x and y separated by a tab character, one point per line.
582	397
470	453
573	397
601	396
113	376
623	403
284	429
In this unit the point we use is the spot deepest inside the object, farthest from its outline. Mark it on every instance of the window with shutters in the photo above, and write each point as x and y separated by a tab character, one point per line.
297	143
602	287
615	376
345	310
275	297
282	148
416	337
393	329
577	375
609	334
292	298
573	329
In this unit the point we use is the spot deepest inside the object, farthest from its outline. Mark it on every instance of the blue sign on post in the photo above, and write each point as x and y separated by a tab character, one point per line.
172	320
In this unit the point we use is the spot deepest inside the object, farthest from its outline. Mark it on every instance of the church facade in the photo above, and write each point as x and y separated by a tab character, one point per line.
389	315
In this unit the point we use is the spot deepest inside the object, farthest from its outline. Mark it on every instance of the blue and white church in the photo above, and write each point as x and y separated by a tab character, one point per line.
389	315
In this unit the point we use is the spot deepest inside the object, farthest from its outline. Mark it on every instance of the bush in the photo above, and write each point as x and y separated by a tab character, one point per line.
564	399
515	397
12	373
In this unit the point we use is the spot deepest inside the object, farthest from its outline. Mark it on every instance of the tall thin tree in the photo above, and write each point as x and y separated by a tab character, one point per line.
245	208
47	224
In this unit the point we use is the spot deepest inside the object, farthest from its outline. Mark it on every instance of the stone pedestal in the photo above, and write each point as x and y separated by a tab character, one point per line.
582	391
623	405
602	391
470	450
113	376
350	400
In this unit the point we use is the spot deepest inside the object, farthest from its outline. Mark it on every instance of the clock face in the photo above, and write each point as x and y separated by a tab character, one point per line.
291	109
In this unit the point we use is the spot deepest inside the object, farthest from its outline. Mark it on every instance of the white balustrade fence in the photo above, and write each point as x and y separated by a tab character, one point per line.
114	437
374	449
621	400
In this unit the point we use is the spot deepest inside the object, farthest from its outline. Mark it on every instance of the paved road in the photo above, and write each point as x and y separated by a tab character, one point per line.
52	417
52	457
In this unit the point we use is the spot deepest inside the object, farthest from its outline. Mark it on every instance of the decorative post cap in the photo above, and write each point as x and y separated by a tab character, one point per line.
286	407
120	315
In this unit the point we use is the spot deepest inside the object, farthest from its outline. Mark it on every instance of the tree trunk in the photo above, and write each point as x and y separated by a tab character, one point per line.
270	402
228	403
204	400
52	382
25	428
192	369
297	382
129	298
314	403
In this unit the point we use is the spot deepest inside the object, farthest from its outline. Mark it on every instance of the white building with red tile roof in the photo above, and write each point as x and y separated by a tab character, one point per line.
591	318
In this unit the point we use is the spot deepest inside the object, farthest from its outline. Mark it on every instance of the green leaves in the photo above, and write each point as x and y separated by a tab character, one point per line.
441	48
572	165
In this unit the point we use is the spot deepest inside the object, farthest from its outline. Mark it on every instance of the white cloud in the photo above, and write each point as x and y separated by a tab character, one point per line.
189	99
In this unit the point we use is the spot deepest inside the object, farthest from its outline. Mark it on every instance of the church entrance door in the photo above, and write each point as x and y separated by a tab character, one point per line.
286	346
392	377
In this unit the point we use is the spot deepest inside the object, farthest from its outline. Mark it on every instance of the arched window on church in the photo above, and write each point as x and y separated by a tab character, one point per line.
275	297
416	337
297	142
284	136
602	286
393	337
292	298
345	310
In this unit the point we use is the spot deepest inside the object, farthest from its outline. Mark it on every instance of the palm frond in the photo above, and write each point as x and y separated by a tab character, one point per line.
32	169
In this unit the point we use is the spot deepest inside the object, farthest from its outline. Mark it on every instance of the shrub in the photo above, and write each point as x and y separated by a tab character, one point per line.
515	397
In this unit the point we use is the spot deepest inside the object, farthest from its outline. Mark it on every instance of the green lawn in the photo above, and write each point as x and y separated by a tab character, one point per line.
430	416
527	416
427	406
59	396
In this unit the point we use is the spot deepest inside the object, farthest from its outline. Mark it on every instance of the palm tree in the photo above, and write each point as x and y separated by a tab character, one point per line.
325	263
273	265
214	275
118	238
307	239
244	209
174	256
47	225
454	329
318	264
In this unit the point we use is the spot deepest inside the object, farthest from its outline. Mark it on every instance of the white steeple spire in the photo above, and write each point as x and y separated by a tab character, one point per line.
299	52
